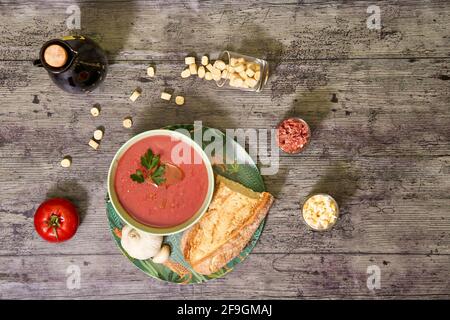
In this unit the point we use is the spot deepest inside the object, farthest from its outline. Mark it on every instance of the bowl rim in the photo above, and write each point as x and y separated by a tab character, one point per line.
126	217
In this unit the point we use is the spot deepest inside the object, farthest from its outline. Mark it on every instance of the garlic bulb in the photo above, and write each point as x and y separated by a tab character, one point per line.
140	245
162	255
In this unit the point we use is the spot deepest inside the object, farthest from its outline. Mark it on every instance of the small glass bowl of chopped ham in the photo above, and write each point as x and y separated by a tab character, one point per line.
293	135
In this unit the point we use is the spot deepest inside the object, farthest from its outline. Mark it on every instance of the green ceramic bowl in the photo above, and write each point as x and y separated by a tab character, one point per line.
126	216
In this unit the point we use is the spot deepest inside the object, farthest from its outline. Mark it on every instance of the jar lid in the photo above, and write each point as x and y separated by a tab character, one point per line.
55	56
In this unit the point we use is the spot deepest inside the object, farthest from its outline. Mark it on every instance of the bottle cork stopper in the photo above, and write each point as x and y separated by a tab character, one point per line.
55	56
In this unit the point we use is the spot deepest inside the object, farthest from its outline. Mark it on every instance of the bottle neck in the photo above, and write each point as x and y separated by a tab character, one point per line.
56	56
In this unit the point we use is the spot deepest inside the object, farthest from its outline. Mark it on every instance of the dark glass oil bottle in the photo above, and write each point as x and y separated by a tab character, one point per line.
76	64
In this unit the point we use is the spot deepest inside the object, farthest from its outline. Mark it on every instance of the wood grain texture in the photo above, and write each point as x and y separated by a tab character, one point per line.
276	29
363	150
377	103
263	276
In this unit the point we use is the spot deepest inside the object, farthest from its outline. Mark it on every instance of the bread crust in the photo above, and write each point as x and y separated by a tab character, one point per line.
237	241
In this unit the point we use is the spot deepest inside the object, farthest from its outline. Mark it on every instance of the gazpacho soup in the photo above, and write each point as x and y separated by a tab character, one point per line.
161	182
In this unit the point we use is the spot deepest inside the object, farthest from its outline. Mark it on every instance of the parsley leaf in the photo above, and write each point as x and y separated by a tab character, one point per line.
158	175
154	162
154	170
158	180
159	171
138	176
147	159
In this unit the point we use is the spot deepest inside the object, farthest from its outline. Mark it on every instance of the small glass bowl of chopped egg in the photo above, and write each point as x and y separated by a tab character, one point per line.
241	71
320	212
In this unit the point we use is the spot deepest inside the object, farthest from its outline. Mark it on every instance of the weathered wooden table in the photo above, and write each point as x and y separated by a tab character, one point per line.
377	100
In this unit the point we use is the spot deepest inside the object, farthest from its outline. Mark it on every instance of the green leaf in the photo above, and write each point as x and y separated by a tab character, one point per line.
158	180
144	162
157	175
154	162
160	271
138	176
159	171
114	219
150	161
147	158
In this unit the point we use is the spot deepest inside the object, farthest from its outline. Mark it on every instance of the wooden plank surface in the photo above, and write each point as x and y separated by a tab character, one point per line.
278	29
263	276
370	142
377	102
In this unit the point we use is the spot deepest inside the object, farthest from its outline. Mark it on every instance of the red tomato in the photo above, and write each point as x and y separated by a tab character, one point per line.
56	220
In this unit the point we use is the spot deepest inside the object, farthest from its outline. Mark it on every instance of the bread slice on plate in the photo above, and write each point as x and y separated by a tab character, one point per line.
224	230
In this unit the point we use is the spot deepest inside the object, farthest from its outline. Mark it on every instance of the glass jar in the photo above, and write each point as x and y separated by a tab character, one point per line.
320	212
243	72
293	135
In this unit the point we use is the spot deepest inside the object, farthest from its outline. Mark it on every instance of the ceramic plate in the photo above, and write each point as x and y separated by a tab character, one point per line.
176	269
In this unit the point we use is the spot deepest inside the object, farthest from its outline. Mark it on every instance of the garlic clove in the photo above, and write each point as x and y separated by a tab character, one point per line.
140	245
163	254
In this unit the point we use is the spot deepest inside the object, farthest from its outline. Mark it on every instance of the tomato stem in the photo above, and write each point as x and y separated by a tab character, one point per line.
54	223
56	232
